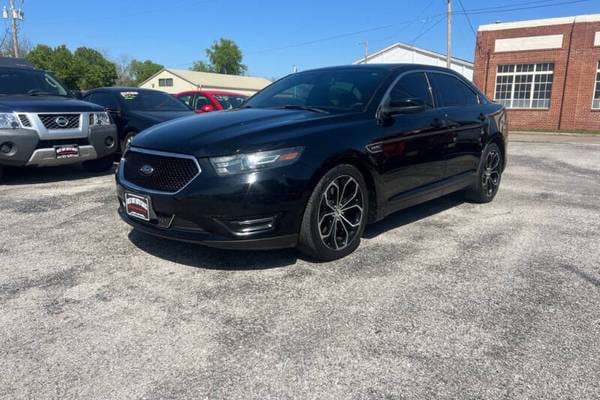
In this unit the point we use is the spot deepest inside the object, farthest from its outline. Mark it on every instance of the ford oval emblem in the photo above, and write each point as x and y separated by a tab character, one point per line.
62	121
147	170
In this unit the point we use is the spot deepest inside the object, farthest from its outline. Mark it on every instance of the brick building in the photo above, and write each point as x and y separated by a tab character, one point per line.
546	72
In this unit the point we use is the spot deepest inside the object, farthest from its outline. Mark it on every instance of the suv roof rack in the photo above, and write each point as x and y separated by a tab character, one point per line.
15	63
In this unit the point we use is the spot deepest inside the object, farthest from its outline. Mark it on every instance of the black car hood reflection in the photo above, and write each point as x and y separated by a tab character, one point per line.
230	132
155	117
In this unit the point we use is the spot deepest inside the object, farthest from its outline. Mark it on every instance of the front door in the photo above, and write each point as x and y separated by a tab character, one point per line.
411	144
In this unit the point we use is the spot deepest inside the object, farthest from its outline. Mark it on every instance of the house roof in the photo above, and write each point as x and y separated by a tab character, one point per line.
534	23
216	80
405	46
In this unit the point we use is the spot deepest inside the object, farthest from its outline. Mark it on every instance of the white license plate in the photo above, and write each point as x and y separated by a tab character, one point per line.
137	206
68	151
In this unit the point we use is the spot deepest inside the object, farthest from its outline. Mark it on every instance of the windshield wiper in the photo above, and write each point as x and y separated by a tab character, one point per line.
304	108
37	92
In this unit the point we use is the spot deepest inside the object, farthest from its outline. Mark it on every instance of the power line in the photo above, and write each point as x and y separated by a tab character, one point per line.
466	14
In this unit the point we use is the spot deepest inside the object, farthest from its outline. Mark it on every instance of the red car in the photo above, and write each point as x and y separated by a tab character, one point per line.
202	101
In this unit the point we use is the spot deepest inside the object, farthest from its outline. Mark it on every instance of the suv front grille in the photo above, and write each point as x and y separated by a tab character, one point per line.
60	121
169	173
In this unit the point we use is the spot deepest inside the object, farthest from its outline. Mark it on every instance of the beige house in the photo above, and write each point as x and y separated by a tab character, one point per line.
178	80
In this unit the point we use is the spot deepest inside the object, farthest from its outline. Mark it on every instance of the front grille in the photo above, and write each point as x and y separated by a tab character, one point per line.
170	173
24	120
52	121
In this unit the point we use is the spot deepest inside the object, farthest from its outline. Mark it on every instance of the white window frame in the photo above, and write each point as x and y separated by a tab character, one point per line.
596	101
514	75
168	82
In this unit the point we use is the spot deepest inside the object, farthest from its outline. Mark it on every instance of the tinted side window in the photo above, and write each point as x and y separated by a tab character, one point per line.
411	89
105	100
451	92
187	99
201	101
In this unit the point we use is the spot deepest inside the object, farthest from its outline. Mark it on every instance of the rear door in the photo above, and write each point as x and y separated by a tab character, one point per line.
460	106
412	143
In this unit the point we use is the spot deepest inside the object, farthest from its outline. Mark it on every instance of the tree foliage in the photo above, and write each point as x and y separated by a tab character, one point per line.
82	70
142	70
224	57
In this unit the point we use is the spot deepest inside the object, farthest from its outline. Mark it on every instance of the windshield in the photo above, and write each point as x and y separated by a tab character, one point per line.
151	101
229	102
31	82
329	89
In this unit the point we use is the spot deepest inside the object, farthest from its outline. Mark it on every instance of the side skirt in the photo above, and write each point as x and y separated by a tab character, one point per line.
426	193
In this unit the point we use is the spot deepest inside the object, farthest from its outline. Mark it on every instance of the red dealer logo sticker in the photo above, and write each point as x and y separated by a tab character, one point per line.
137	206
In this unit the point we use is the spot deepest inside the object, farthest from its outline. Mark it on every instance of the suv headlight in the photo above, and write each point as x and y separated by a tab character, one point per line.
101	118
8	121
241	163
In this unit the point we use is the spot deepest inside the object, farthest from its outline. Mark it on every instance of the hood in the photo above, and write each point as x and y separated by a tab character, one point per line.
36	104
156	117
230	132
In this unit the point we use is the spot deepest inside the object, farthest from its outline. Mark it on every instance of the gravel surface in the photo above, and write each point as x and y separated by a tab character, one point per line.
445	300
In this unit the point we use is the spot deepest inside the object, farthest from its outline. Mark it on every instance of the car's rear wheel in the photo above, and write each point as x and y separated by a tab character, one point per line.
488	176
99	165
336	215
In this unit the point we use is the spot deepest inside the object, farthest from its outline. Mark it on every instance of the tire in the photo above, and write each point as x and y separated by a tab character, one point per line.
125	142
488	177
317	237
99	165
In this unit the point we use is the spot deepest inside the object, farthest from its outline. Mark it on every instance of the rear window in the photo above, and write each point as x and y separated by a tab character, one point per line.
151	101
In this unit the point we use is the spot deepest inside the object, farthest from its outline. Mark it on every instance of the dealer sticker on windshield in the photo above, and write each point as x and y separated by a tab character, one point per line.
137	206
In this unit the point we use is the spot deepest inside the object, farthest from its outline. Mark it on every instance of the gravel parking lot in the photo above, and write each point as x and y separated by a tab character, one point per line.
445	300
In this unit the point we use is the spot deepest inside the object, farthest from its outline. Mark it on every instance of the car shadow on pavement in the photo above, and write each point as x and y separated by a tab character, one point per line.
31	175
198	256
413	214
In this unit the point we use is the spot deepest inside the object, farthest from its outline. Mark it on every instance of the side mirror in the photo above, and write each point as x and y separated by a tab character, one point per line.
207	108
113	111
404	106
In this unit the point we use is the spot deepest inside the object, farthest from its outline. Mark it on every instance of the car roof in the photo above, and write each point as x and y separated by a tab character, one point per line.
117	89
383	67
223	92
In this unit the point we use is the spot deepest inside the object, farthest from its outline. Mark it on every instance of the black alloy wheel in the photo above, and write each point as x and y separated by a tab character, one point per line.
489	176
336	215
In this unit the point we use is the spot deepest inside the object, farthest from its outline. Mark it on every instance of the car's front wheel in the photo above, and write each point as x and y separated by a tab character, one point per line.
336	215
488	178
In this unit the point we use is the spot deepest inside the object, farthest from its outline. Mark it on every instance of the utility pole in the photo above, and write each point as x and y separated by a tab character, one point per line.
366	43
15	15
449	36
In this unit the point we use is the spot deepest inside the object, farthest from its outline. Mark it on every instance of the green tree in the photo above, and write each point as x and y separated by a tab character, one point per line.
225	57
93	68
142	70
85	69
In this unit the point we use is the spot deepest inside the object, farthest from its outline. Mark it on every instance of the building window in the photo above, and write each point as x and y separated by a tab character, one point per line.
166	82
596	101
524	85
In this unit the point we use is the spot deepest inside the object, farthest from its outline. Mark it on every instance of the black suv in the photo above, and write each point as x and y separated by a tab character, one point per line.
41	125
313	158
134	109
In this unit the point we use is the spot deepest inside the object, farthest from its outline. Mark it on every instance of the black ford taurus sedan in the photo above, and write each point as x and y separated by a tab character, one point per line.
313	158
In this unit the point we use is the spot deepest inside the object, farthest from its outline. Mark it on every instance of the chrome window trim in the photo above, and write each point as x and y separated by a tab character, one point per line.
138	188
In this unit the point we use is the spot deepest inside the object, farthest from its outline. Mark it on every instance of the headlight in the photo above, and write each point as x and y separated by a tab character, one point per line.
101	118
240	163
8	121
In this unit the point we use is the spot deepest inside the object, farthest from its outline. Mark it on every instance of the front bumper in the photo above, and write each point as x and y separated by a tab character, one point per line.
260	211
26	148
